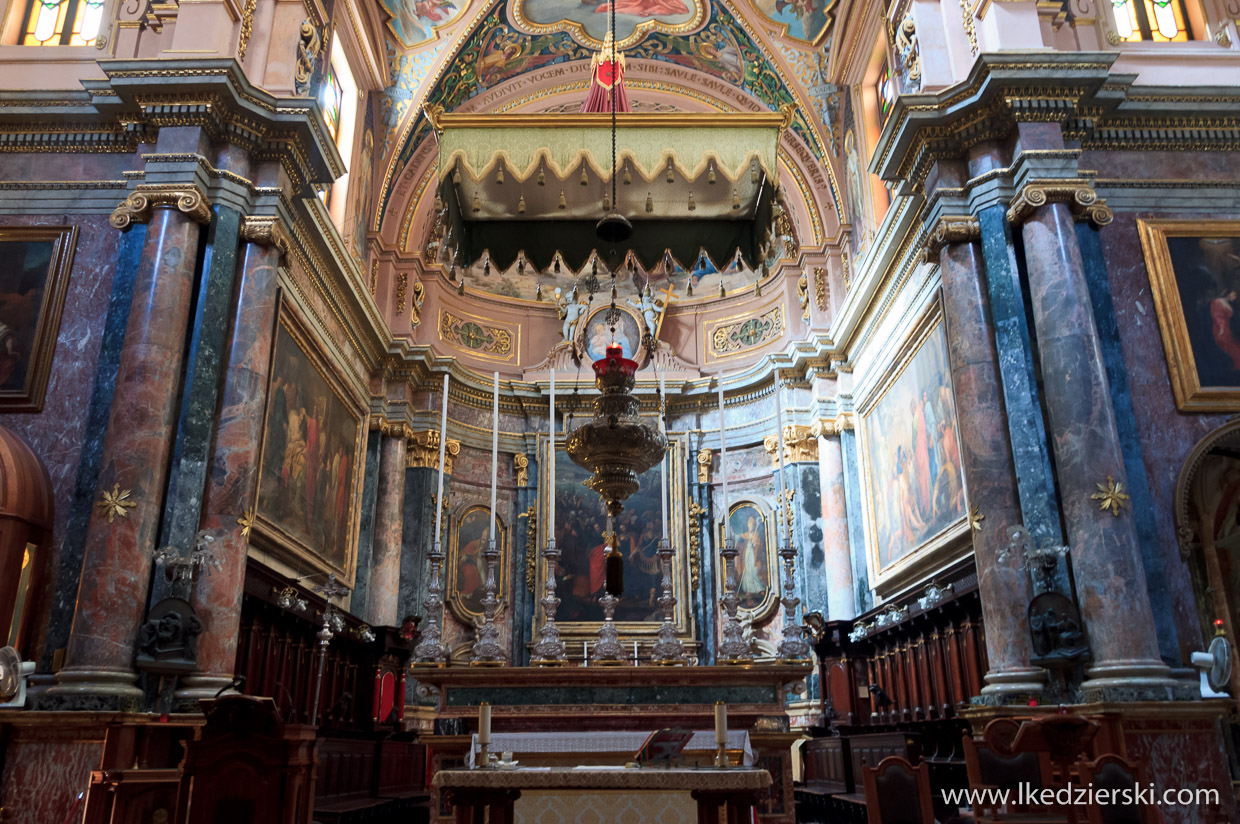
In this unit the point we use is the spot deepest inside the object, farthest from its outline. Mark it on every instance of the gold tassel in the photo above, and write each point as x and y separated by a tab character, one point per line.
606	203
499	175
627	177
585	180
456	174
736	201
649	203
542	178
692	205
710	178
477	204
563	202
753	174
671	178
521	205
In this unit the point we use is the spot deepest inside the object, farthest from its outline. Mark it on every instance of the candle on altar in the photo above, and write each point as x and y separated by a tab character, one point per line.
484	723
721	723
783	484
551	462
723	461
634	653
494	449
663	463
443	442
585	653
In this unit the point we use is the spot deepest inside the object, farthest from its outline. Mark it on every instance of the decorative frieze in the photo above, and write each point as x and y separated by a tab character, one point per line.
742	335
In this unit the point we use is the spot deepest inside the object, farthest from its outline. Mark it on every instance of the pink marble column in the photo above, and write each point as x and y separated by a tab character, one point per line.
841	599
384	590
120	539
1105	555
232	480
989	472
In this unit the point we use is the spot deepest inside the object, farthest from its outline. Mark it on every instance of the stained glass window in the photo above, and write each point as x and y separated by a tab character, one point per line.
62	22
885	89
1157	20
332	98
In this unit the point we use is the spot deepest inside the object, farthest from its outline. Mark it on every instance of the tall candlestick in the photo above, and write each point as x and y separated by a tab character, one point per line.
494	447
551	463
723	462
663	463
443	443
783	484
721	723
484	723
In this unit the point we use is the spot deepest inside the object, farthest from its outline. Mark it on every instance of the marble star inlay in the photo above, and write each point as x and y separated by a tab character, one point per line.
116	503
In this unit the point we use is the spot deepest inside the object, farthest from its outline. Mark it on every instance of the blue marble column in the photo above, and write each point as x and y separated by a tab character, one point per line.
360	600
706	594
840	598
387	551
856	515
524	599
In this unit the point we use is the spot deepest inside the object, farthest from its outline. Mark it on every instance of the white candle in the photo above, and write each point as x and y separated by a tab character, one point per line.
663	463
443	443
551	463
721	723
484	723
783	484
634	653
585	652
723	462
494	449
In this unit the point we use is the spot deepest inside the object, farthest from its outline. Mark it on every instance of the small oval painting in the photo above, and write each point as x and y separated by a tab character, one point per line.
598	333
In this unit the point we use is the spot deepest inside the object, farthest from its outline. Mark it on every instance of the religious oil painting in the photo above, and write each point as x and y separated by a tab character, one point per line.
597	333
806	20
911	446
753	534
580	523
1194	269
414	21
312	446
34	273
467	567
587	20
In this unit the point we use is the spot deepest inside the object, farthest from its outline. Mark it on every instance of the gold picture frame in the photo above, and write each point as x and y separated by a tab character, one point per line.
468	607
32	297
739	513
1191	264
932	512
574	561
300	371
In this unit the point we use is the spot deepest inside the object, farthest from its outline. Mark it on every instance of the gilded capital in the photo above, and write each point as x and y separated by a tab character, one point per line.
522	464
704	458
951	229
138	207
266	231
424	451
1078	194
800	445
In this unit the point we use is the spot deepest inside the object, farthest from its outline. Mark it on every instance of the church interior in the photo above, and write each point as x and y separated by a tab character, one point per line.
760	411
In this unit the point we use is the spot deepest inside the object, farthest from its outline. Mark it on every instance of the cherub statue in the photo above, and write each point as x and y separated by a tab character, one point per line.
652	310
569	310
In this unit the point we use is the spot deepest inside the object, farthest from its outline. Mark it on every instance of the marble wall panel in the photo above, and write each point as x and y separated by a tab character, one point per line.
44	772
1180	755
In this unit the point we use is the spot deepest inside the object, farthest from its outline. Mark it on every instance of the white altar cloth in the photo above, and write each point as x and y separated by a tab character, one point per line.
604	741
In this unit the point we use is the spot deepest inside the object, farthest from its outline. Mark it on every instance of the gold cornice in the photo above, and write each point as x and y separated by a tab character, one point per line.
138	207
393	428
951	229
800	445
1078	194
424	451
266	231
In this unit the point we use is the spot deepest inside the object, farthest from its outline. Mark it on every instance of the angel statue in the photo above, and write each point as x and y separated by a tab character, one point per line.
651	309
569	310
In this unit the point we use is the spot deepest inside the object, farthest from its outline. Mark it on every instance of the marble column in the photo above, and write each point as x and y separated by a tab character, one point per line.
856	516
120	539
384	588
838	568
1106	557
232	478
986	459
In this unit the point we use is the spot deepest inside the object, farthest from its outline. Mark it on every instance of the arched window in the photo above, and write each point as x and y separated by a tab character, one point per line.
62	22
885	93
1157	20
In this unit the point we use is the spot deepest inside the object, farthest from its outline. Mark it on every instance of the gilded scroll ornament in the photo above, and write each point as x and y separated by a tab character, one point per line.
803	295
704	457
696	512
1112	496
423	451
821	287
522	464
415	305
308	48
730	338
970	25
951	229
906	46
1078	194
247	28
976	516
531	544
116	503
246	522
402	288
137	208
266	231
800	445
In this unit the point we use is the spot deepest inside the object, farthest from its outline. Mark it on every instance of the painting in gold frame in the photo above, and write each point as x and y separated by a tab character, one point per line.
757	562
34	274
310	471
466	566
579	527
915	495
1194	269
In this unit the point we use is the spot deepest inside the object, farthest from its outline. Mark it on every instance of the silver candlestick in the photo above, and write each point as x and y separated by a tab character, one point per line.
430	650
793	649
549	651
332	623
487	651
732	647
608	650
668	649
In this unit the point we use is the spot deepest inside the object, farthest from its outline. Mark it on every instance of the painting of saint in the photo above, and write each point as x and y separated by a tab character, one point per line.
310	456
748	527
34	266
580	523
804	20
598	334
467	565
415	21
913	454
587	20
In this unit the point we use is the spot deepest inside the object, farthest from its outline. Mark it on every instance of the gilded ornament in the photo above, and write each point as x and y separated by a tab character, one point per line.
247	28
423	451
704	457
696	511
970	25
522	464
246	522
402	287
1222	37
906	46
116	503
1078	194
976	517
803	295
139	205
308	47
1111	496
800	445
821	287
415	306
951	229
847	270
531	546
266	231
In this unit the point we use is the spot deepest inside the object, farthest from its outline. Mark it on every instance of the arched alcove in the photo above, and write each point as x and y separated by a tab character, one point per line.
25	535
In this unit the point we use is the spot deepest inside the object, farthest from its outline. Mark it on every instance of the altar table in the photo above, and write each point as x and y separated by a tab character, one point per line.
544	749
671	796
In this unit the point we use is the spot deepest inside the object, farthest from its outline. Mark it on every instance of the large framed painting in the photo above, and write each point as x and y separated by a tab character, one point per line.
311	470
580	523
1194	268
757	563
587	20
467	570
34	273
910	444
